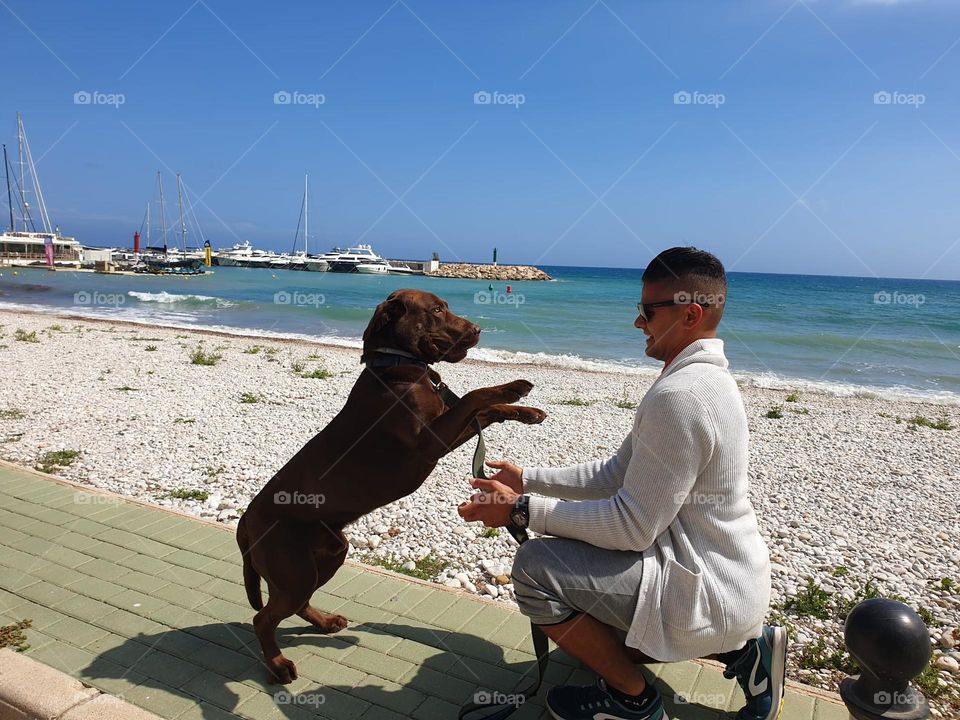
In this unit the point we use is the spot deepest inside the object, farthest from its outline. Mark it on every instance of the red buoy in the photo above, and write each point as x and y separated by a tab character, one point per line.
136	242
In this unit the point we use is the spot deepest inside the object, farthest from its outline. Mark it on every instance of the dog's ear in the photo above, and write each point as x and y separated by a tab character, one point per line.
387	312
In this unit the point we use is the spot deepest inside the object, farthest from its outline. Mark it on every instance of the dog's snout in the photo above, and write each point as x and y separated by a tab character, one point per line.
473	329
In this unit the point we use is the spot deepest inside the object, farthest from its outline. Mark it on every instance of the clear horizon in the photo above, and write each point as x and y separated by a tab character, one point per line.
812	137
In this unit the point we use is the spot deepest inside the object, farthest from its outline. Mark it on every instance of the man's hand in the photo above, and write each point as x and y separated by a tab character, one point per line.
492	505
510	475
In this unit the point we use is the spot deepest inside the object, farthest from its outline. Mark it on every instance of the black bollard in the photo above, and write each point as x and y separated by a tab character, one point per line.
891	645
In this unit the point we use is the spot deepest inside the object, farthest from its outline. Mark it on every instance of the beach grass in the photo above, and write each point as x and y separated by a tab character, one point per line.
249	398
298	367
252	349
12	414
575	402
151	348
12	636
792	397
922	421
427	567
55	459
183	420
211	471
182	494
200	357
320	373
812	601
22	335
490	532
774	413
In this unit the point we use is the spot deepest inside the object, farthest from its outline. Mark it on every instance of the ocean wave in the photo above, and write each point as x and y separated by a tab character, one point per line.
165	297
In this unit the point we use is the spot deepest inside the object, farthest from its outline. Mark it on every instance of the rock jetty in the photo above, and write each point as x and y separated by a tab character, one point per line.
489	272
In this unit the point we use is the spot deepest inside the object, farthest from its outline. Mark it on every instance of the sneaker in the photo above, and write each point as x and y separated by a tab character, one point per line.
595	702
761	672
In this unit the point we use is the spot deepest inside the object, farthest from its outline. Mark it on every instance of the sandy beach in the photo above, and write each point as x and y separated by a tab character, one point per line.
856	494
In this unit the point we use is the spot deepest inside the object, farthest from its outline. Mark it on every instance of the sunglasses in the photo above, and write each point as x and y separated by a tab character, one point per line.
646	309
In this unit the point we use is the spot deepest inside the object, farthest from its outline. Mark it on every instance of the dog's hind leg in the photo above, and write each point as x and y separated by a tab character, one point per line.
327	566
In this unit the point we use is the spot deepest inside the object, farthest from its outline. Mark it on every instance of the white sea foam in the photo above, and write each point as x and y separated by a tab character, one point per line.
165	297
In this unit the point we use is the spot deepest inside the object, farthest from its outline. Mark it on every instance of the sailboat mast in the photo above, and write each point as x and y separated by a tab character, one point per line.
183	226
163	214
305	203
148	224
6	170
23	199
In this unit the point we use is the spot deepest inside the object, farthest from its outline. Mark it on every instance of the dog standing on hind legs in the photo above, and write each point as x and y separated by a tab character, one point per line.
389	436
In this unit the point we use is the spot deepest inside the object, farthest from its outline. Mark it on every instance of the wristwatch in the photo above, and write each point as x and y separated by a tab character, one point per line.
520	515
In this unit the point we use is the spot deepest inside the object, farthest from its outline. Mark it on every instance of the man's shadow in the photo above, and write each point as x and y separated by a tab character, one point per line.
455	668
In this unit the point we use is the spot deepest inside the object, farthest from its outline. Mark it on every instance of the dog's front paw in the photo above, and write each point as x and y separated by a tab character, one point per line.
282	670
519	388
530	415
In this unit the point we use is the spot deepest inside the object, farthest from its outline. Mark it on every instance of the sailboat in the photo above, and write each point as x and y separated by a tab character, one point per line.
32	245
163	259
301	259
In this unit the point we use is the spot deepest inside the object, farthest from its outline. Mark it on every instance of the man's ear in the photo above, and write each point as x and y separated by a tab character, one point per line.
387	312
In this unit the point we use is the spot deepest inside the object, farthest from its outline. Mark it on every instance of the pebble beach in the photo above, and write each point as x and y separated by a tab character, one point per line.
855	494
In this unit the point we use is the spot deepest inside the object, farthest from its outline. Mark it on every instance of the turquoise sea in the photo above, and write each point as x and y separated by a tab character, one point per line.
847	335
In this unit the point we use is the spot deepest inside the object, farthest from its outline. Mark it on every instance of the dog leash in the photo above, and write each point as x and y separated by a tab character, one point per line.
487	704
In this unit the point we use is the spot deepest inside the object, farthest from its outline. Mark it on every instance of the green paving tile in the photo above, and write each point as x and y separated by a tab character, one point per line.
458	615
226	550
45	593
138	603
826	710
87	527
430	607
76	632
680	677
375	712
102	569
134	542
421	654
330	673
388	695
796	707
136	580
473	646
129	625
104	551
230	636
40	616
231	590
218	689
84	608
376	663
63	657
57	574
372	638
95	588
484	674
182	596
15	580
205	711
433	708
433	683
355	587
288	705
225	610
160	699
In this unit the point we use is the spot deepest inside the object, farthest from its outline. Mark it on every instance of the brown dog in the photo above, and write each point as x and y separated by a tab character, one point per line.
380	447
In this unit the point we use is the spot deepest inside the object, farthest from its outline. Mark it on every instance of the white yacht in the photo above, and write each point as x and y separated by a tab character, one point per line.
356	257
245	255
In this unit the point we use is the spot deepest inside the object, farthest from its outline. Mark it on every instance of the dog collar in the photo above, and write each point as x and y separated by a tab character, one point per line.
390	358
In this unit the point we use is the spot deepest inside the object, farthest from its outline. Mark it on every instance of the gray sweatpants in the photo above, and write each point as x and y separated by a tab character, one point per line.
556	578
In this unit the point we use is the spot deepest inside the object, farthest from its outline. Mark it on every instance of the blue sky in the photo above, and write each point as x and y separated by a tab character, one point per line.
782	161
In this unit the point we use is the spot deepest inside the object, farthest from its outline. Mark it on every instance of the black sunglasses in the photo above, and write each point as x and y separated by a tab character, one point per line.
646	309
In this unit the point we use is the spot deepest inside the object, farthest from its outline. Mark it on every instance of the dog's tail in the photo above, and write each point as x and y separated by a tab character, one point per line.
251	579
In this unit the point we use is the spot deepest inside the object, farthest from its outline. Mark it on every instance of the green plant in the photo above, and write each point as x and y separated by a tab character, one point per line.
200	357
183	420
126	388
51	461
812	600
55	328
426	568
297	367
800	411
815	656
792	397
928	619
320	373
868	592
928	682
314	356
840	571
12	414
12	635
576	402
625	403
947	584
181	494
490	532
941	424
150	348
212	471
252	350
248	398
774	413
24	336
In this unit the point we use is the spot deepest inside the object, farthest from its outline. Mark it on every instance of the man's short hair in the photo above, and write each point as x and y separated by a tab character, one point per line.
686	263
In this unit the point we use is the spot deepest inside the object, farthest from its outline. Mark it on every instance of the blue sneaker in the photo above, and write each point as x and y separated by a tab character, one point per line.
761	672
595	702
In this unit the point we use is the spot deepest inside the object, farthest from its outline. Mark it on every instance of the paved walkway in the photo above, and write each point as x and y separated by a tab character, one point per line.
148	605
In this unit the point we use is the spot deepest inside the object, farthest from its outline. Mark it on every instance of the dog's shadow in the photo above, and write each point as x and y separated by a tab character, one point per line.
448	673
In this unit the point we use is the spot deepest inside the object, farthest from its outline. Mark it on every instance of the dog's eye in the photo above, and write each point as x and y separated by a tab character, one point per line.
438	309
